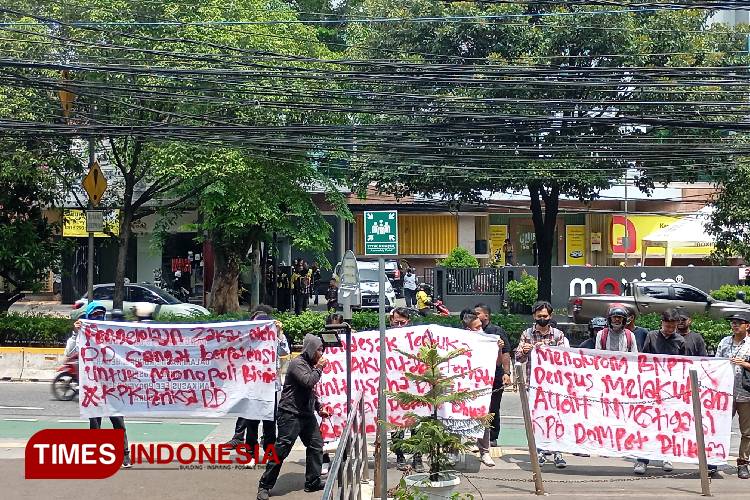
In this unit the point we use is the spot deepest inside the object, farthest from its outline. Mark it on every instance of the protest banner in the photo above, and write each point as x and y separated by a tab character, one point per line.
158	369
628	405
477	370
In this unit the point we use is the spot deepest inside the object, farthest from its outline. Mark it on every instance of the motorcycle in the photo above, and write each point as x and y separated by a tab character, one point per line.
440	308
65	384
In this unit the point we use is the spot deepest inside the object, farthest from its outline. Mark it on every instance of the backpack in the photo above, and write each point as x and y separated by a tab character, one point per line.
628	339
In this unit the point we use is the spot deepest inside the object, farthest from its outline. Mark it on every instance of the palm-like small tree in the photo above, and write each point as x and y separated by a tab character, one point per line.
431	437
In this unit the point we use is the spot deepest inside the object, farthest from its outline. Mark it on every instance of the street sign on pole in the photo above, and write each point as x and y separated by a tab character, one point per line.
381	232
94	221
95	183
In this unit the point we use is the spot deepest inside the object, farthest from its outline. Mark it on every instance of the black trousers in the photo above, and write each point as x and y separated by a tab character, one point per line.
495	399
410	296
117	423
300	302
290	428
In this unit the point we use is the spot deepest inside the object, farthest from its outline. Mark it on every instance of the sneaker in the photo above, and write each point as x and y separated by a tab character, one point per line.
560	462
493	443
314	487
263	494
417	464
742	472
667	466
639	468
487	459
251	464
234	442
542	459
326	467
126	464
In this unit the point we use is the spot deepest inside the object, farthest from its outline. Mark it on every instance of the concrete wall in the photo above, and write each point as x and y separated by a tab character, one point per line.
147	259
466	232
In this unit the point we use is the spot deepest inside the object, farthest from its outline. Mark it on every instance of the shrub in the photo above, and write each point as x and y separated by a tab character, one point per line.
729	292
34	330
459	258
523	291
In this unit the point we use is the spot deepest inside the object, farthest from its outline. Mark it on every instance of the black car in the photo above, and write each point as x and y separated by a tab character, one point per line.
394	272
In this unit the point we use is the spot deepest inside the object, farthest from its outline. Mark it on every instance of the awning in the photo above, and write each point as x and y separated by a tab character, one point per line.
690	231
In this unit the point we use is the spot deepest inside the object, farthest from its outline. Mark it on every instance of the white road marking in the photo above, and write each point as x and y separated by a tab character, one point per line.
21	419
128	422
72	421
199	423
21	408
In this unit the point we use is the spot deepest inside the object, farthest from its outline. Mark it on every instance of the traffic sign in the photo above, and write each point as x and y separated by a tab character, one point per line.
94	221
95	184
381	232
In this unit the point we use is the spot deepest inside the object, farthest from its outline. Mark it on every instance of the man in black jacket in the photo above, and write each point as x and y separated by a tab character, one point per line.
296	417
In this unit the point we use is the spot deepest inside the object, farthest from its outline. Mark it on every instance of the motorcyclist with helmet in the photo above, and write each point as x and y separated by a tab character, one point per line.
596	325
615	336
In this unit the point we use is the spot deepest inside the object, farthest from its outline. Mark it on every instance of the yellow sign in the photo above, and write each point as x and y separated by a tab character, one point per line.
74	224
95	184
575	245
640	226
498	234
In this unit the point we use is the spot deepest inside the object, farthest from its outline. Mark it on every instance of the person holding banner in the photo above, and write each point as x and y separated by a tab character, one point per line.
736	348
296	417
662	341
615	337
694	343
542	333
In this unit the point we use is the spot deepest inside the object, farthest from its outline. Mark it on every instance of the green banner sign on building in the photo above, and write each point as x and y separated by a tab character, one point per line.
381	232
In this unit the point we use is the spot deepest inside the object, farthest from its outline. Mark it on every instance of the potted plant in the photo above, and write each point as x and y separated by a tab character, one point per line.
430	436
522	293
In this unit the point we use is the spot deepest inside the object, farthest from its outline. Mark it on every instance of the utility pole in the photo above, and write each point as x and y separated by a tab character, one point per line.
90	273
626	238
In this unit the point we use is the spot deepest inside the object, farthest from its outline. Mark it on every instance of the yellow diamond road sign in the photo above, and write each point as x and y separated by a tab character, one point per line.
95	184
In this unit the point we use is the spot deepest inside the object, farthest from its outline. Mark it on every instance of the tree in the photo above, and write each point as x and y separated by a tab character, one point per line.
549	101
729	222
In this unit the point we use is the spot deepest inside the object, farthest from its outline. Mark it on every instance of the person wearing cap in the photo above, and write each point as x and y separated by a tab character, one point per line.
736	348
665	340
694	343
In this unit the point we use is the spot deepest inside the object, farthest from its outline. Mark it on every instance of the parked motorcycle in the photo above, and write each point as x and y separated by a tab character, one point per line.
65	384
440	308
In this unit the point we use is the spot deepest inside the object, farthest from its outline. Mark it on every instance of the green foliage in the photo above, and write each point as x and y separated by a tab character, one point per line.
729	292
729	223
712	330
430	437
459	258
523	291
34	330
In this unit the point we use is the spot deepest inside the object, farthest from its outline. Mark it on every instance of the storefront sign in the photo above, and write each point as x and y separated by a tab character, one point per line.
640	226
575	245
498	234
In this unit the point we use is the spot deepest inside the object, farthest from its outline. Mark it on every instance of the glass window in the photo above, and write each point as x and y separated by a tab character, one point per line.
655	291
688	294
138	294
104	293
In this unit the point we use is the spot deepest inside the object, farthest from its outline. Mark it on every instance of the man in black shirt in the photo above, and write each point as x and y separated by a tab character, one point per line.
639	332
502	369
694	343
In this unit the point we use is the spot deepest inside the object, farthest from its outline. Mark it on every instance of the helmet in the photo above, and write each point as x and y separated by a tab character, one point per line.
94	308
617	310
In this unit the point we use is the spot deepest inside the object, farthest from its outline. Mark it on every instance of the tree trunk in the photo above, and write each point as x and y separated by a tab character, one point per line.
255	281
7	299
122	258
545	221
224	297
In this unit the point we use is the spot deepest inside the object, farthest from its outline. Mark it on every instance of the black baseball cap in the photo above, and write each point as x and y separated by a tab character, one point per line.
741	316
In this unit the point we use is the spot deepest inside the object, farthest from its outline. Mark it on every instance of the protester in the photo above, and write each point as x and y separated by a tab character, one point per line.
410	287
596	325
296	417
301	283
662	341
502	369
694	343
314	281
639	332
542	333
615	337
332	296
399	318
736	348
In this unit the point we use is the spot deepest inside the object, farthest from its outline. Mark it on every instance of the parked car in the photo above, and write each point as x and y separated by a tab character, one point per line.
653	297
139	292
394	272
369	285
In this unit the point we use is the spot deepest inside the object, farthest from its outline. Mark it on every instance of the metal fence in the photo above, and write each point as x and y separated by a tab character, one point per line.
480	281
349	469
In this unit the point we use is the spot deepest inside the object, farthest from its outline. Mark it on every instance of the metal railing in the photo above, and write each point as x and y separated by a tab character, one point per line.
481	281
349	469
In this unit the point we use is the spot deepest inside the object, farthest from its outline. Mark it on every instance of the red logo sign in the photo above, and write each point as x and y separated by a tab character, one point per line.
74	453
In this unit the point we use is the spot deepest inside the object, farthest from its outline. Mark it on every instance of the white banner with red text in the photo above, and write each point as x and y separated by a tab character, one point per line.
477	370
159	369
628	405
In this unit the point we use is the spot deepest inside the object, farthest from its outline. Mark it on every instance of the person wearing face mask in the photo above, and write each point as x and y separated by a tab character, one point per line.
615	337
473	323
694	343
662	341
541	334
